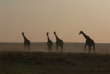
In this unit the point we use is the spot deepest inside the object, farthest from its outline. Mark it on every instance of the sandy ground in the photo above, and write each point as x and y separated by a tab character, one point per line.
42	47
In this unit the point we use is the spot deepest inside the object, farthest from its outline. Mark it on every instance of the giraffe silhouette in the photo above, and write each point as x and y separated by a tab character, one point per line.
89	42
49	42
26	41
59	42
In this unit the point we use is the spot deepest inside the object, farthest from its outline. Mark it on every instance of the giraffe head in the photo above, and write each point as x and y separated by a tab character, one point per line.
80	32
47	33
22	33
54	32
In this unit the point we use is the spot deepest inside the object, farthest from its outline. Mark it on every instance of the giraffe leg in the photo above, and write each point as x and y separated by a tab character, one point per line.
50	48
28	47
89	48
57	48
61	48
25	47
94	47
85	48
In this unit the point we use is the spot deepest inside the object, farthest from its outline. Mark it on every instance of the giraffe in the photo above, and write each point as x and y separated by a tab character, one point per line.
49	42
26	41
89	42
59	42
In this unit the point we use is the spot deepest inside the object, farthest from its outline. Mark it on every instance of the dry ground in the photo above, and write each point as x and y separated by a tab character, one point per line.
53	63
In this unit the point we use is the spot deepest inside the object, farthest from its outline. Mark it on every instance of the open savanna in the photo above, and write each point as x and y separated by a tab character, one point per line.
14	59
25	62
42	47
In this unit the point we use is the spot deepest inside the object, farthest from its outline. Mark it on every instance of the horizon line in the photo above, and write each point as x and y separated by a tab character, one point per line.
54	42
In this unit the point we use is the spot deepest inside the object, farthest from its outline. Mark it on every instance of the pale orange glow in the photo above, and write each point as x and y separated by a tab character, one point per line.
66	17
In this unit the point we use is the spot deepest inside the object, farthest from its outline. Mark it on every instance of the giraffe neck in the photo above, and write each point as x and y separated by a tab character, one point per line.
24	37
56	37
48	37
85	36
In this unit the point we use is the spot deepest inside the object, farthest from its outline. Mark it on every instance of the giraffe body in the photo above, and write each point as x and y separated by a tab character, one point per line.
89	42
59	42
26	42
49	42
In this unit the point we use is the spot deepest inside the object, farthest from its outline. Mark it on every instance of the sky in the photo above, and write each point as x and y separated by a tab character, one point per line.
66	17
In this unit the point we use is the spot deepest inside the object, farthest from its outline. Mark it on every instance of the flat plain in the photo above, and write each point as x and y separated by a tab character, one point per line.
103	48
15	60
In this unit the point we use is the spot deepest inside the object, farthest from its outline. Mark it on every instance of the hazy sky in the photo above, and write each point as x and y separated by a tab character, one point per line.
66	17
